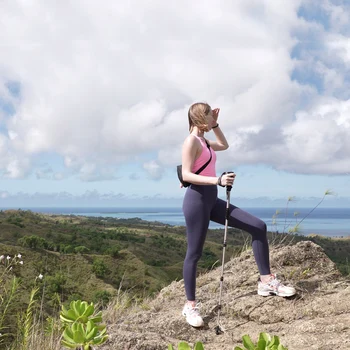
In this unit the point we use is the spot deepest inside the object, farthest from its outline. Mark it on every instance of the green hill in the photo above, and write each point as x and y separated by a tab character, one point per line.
92	258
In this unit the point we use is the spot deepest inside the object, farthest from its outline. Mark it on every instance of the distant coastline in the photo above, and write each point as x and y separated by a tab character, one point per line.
331	222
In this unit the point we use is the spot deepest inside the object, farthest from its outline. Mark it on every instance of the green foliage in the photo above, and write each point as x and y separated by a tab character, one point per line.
99	268
9	285
127	236
208	258
56	283
68	276
28	319
114	251
265	342
102	297
166	241
15	220
81	312
81	249
65	248
33	242
157	262
185	346
18	333
82	326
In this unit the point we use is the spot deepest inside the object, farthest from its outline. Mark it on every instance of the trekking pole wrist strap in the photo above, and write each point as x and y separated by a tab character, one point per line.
219	181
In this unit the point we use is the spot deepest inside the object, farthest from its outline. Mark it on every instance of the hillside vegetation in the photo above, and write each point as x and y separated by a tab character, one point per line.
93	258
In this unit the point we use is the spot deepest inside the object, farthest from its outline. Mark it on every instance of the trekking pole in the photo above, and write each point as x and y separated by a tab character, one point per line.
218	328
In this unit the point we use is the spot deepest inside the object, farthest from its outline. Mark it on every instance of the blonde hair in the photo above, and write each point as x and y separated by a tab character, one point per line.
196	116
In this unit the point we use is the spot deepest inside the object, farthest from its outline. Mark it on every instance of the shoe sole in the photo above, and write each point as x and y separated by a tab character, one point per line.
266	294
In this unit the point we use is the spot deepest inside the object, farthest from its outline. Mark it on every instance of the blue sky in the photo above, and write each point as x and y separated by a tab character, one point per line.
94	100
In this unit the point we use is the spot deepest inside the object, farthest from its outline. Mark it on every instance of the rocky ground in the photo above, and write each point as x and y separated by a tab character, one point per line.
318	317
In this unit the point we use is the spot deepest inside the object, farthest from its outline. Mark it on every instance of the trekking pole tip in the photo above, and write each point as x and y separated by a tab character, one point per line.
218	330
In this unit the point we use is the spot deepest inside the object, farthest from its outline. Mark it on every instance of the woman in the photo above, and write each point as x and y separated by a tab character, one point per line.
201	205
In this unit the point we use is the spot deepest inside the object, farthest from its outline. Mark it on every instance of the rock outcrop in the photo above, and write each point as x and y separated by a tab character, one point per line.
318	317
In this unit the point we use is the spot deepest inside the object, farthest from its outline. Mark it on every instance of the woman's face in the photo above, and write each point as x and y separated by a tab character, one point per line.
210	120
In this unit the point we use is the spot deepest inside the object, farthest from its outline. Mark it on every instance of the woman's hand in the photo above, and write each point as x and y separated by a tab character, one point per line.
216	114
227	179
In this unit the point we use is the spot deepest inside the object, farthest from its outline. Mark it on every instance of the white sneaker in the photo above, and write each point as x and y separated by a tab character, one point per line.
192	315
274	286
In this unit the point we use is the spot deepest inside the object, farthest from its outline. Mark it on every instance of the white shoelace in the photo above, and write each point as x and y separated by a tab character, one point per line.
274	282
193	310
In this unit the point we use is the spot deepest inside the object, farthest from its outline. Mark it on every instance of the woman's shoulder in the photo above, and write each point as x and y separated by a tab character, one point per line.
193	141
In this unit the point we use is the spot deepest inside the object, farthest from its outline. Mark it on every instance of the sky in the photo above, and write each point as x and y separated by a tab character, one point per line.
94	99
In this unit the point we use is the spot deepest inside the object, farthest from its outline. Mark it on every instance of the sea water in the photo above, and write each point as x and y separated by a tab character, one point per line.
332	222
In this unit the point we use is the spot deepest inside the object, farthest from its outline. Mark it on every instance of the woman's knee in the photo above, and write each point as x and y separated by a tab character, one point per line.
258	229
193	257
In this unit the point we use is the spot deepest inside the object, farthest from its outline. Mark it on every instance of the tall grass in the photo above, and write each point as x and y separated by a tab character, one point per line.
28	319
28	332
39	337
9	285
289	227
123	300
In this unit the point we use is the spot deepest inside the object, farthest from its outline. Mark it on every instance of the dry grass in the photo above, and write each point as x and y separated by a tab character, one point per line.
38	339
124	300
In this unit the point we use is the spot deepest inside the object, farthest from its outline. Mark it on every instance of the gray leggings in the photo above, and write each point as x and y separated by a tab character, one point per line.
202	205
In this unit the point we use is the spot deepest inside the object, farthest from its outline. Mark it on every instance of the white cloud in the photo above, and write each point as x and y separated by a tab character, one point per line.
90	172
44	173
134	176
154	170
340	45
102	85
16	167
48	173
320	138
58	176
339	14
4	195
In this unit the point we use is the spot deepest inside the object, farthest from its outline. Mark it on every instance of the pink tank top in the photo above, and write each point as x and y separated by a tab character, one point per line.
203	158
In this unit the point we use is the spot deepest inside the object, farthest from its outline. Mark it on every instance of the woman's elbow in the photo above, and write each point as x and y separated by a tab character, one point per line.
222	146
185	175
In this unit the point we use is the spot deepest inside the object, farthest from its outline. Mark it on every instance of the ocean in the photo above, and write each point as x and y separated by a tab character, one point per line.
331	222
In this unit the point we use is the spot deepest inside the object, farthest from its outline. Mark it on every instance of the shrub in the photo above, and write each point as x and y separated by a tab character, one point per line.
113	251
99	268
81	249
33	242
102	297
56	283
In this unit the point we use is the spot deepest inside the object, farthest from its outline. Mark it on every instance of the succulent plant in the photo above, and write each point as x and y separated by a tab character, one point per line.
185	346
265	342
81	326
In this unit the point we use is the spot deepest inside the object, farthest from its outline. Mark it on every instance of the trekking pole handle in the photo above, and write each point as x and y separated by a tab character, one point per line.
228	188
